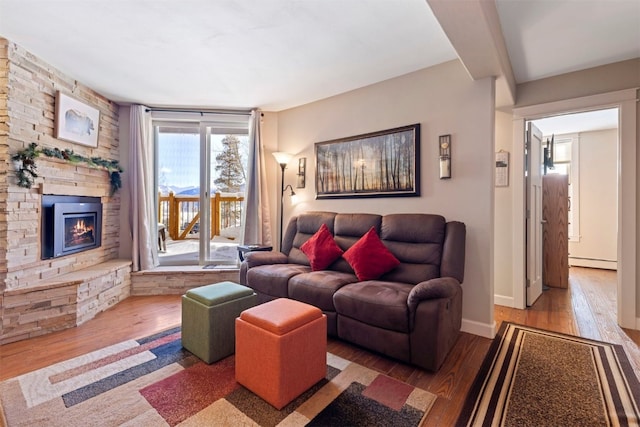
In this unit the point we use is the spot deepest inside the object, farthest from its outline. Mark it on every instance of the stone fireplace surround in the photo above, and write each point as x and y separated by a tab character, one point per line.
68	290
38	296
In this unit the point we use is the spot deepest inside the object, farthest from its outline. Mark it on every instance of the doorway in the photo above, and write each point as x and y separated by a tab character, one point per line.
626	191
579	193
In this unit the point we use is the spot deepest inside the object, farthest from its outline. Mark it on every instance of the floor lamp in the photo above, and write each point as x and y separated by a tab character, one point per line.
282	158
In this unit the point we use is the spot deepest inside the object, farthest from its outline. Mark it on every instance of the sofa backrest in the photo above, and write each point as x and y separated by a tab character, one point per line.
417	241
425	244
300	229
348	229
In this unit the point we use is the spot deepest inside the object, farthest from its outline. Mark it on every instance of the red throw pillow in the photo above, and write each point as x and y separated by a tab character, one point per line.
321	249
369	257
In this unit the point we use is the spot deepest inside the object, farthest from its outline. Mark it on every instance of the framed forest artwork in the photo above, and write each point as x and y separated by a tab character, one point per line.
377	164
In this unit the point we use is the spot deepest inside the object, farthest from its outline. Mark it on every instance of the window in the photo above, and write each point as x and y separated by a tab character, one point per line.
566	162
201	163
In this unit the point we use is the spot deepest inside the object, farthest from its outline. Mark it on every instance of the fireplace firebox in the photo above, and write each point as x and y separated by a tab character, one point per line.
70	224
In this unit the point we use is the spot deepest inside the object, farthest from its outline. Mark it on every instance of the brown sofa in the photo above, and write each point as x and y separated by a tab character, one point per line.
413	313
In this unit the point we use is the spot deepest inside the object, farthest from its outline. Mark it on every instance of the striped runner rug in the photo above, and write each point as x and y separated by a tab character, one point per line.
533	377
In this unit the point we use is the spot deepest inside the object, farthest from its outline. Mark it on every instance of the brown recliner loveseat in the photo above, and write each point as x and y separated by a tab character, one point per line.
412	313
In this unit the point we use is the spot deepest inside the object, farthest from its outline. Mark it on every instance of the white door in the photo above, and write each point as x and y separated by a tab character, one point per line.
534	212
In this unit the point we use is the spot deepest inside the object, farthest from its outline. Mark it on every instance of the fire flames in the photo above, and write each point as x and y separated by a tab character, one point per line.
80	232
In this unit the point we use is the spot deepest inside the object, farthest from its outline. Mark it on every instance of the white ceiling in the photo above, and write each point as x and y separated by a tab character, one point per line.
277	54
550	37
272	54
578	122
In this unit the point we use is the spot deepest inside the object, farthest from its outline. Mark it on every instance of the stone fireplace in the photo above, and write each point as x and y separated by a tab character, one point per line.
52	283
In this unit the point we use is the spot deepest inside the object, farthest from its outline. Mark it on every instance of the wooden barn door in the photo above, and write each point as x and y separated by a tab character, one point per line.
555	239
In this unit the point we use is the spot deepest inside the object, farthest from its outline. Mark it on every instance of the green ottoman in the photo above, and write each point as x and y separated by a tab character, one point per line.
208	318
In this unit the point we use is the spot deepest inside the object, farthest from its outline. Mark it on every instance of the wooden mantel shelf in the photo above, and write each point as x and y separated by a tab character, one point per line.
73	190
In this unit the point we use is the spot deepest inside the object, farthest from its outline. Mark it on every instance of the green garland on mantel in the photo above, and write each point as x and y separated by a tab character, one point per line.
27	171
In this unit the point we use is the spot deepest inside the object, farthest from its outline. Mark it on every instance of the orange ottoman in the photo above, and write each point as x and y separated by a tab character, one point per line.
281	349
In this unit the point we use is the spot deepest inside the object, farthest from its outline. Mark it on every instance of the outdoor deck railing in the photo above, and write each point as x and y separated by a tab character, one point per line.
181	214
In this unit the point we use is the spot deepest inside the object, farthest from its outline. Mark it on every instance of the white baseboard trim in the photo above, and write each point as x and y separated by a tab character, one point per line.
593	263
476	328
503	300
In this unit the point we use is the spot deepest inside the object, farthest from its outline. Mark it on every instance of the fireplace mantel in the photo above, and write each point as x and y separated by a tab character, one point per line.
73	190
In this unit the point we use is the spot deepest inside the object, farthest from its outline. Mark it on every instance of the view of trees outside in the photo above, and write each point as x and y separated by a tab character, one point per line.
231	177
229	166
367	165
179	163
179	173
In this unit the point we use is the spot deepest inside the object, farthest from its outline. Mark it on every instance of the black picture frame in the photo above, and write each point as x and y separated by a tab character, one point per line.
377	164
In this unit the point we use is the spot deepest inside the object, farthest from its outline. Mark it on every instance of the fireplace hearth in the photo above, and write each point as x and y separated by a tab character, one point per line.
70	224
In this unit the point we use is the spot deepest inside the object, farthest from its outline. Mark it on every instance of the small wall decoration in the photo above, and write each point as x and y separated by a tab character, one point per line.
502	169
445	156
302	172
378	164
76	121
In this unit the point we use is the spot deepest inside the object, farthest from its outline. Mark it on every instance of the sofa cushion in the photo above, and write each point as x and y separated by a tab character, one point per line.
273	279
321	249
369	257
317	288
377	303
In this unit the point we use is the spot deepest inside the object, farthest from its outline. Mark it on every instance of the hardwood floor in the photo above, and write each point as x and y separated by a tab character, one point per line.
587	308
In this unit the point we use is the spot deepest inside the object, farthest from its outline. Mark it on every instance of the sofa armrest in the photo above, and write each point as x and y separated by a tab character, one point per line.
256	258
440	287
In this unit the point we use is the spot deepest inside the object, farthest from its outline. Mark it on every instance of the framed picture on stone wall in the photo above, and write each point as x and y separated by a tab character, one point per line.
76	121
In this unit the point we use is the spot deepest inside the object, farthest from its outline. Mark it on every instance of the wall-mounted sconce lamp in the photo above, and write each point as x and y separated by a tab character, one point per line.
302	172
445	156
292	194
282	158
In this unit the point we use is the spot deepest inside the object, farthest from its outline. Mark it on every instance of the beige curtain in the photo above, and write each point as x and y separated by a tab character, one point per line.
144	227
257	226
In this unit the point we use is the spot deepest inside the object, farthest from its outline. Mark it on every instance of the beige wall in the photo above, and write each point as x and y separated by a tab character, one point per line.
606	78
444	101
598	200
503	235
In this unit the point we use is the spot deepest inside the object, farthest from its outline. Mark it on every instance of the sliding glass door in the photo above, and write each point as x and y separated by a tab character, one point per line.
225	155
200	174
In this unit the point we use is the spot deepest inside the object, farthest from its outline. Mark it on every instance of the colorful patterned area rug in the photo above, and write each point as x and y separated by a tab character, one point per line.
533	377
155	382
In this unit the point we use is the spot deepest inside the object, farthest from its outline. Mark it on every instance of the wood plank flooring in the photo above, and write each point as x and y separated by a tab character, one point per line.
586	308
